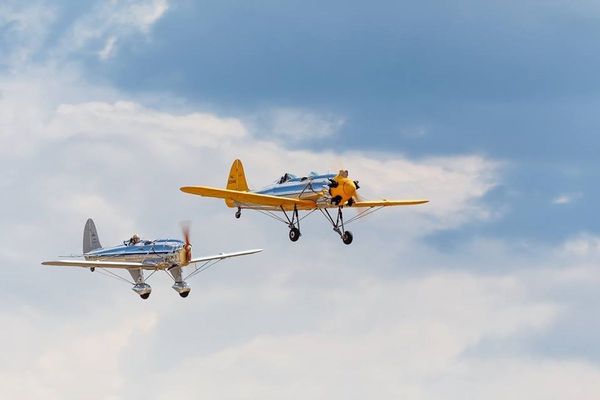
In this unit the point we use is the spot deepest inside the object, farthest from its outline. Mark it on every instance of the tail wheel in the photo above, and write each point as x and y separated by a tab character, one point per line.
294	234
347	237
145	295
184	294
238	213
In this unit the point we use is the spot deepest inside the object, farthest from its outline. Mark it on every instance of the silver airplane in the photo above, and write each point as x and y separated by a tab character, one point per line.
136	255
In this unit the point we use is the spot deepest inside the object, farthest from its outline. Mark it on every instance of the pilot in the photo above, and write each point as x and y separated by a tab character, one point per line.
134	239
284	178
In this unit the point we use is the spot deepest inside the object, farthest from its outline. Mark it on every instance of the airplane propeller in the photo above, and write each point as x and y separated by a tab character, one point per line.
185	228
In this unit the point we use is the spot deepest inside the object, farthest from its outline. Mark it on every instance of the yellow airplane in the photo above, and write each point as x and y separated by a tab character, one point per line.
291	194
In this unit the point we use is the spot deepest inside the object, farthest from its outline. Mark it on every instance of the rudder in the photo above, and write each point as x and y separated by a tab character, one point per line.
90	237
237	177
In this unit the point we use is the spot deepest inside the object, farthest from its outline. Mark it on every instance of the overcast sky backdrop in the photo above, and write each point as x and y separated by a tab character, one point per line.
487	108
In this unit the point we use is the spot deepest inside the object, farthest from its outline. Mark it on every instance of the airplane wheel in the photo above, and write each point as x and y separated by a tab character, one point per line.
184	294
294	234
238	214
347	237
145	295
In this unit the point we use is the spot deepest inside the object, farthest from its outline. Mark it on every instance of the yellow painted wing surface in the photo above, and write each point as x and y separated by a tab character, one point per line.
388	203
249	198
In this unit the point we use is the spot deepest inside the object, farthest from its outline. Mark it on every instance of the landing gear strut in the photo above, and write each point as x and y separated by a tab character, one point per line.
180	286
140	287
338	225
293	224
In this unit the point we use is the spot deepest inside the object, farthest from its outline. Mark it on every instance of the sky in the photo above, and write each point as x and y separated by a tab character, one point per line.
487	108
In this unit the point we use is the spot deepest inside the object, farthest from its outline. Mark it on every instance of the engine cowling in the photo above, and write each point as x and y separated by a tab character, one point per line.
342	189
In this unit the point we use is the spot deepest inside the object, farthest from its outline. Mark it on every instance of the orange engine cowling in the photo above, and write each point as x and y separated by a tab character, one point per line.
343	189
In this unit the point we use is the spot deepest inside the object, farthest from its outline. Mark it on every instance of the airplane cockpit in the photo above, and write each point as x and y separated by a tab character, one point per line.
286	177
135	239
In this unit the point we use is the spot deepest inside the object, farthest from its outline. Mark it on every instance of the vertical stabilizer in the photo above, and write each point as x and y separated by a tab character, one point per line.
237	178
90	237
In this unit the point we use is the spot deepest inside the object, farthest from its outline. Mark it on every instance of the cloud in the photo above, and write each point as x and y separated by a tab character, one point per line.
389	338
110	21
25	28
583	245
67	361
108	49
297	125
566	198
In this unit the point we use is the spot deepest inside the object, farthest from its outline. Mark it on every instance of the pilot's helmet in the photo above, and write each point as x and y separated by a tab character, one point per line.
135	238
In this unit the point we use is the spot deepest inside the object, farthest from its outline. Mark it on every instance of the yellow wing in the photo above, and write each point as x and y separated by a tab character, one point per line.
388	203
244	198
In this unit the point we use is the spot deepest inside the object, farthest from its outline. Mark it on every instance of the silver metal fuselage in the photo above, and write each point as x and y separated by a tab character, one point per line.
314	187
156	254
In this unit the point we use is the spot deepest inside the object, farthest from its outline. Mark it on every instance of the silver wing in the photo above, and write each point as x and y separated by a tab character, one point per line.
224	255
99	264
138	265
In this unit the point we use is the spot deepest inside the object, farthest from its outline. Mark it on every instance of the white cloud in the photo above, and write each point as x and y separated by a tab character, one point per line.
583	245
111	20
389	338
566	198
108	49
24	31
130	120
74	360
297	125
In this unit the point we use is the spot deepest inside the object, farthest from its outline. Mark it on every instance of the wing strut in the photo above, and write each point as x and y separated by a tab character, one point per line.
203	267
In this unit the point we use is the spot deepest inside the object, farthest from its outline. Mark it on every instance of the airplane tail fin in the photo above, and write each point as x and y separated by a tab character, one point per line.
90	237
237	178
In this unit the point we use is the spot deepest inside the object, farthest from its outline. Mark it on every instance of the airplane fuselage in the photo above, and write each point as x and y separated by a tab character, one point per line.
156	254
307	188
